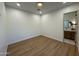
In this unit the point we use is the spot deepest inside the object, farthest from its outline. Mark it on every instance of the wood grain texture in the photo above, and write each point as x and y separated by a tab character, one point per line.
41	46
69	35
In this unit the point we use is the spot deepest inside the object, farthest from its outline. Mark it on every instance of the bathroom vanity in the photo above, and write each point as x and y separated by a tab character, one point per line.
69	35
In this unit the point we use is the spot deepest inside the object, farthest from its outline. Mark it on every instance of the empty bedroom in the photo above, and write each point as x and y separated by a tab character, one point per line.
39	28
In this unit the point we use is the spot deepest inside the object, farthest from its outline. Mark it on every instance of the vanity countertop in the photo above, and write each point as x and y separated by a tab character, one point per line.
71	31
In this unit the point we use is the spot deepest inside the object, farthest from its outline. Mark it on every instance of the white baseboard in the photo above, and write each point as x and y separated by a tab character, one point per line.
26	38
52	37
31	36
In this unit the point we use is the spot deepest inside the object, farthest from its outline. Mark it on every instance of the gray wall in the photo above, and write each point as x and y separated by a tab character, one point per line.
52	23
3	41
21	25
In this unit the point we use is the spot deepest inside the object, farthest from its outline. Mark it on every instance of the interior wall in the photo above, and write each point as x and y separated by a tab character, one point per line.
3	41
21	25
52	23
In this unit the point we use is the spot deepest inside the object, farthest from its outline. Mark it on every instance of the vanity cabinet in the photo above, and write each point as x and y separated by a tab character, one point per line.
69	35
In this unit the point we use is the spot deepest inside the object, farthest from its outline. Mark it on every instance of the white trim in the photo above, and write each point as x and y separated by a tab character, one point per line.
26	38
51	37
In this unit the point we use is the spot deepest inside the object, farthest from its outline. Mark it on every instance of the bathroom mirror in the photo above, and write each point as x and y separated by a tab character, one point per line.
70	27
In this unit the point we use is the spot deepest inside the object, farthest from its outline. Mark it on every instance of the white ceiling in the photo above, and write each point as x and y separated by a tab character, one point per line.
31	6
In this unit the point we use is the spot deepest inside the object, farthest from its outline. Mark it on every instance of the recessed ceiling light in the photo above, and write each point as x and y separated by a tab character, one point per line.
40	4
18	4
40	12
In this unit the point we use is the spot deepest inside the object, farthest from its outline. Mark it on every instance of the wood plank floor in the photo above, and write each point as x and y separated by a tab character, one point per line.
41	46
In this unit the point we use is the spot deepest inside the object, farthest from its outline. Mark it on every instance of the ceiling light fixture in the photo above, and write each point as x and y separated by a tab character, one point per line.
40	12
18	4
39	4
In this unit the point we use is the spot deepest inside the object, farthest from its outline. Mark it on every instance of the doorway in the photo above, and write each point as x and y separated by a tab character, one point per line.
70	27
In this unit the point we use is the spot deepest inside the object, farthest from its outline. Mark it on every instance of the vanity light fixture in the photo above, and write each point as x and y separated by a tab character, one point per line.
74	22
